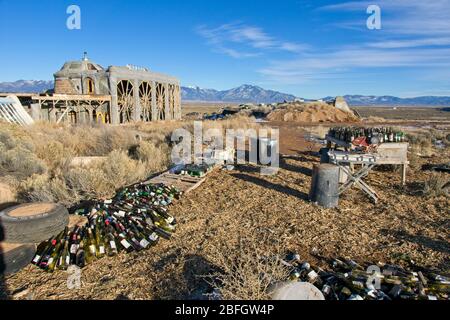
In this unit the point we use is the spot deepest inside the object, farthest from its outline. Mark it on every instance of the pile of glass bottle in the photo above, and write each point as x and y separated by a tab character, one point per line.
347	280
372	135
134	220
195	170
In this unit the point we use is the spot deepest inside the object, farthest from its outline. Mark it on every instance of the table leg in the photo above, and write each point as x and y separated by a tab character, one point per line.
356	179
404	168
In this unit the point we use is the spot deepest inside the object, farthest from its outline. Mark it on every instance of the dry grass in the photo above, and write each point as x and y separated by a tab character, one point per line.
36	160
375	119
233	225
438	184
248	270
421	144
405	113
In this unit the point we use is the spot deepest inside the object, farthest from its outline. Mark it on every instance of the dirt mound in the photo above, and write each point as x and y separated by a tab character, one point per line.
310	112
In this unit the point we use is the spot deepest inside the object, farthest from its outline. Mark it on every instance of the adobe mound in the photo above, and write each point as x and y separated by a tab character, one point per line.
310	112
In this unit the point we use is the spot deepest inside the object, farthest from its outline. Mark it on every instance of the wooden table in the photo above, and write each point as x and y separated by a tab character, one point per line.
395	153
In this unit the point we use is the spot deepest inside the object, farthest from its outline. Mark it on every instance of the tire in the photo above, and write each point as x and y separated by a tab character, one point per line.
14	257
33	223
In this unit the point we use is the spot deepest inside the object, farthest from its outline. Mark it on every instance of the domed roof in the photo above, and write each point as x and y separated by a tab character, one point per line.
78	67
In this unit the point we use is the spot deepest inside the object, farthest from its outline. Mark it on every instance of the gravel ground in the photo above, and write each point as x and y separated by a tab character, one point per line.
241	204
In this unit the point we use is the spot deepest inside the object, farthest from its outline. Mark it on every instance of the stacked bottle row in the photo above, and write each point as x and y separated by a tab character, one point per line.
348	280
372	135
134	220
195	170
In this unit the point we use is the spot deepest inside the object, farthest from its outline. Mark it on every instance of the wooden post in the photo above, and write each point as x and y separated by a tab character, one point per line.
166	102
153	102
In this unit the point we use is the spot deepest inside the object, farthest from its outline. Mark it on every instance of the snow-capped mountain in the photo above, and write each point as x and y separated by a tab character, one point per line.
26	86
244	93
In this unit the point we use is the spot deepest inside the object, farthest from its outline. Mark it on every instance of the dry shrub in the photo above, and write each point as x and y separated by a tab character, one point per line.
38	156
54	154
101	180
18	158
7	193
121	170
155	158
43	188
414	160
375	119
236	122
421	143
438	184
89	183
84	140
248	270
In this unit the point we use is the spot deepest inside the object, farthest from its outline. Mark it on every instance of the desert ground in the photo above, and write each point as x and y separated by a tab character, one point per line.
238	219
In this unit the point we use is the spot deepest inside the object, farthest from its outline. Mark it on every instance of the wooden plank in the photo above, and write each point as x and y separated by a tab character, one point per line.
195	186
66	97
181	177
17	94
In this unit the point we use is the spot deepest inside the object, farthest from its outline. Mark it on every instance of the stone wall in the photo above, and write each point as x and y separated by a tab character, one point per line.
64	86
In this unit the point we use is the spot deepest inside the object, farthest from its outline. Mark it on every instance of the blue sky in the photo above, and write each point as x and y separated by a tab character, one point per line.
309	48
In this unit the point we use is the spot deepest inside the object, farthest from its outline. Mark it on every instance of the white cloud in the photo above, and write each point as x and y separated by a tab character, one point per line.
343	62
242	41
415	34
413	43
412	17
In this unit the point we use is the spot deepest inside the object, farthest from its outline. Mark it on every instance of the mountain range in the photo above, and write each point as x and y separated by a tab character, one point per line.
248	94
26	86
244	93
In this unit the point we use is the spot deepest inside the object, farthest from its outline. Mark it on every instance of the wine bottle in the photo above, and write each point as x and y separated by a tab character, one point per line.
74	245
111	245
44	262
64	259
126	245
100	252
40	251
54	257
80	259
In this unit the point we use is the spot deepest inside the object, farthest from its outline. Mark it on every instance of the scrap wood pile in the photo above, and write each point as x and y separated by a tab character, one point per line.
348	280
133	220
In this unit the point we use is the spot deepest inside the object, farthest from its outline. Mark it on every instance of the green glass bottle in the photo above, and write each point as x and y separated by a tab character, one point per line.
64	259
54	258
100	248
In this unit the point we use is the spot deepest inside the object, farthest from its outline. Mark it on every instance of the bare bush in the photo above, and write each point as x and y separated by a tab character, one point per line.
248	270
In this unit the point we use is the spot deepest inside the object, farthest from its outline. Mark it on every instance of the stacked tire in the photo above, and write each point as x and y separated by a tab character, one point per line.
24	226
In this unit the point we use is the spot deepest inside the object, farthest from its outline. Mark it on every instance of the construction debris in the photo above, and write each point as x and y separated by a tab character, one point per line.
12	111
